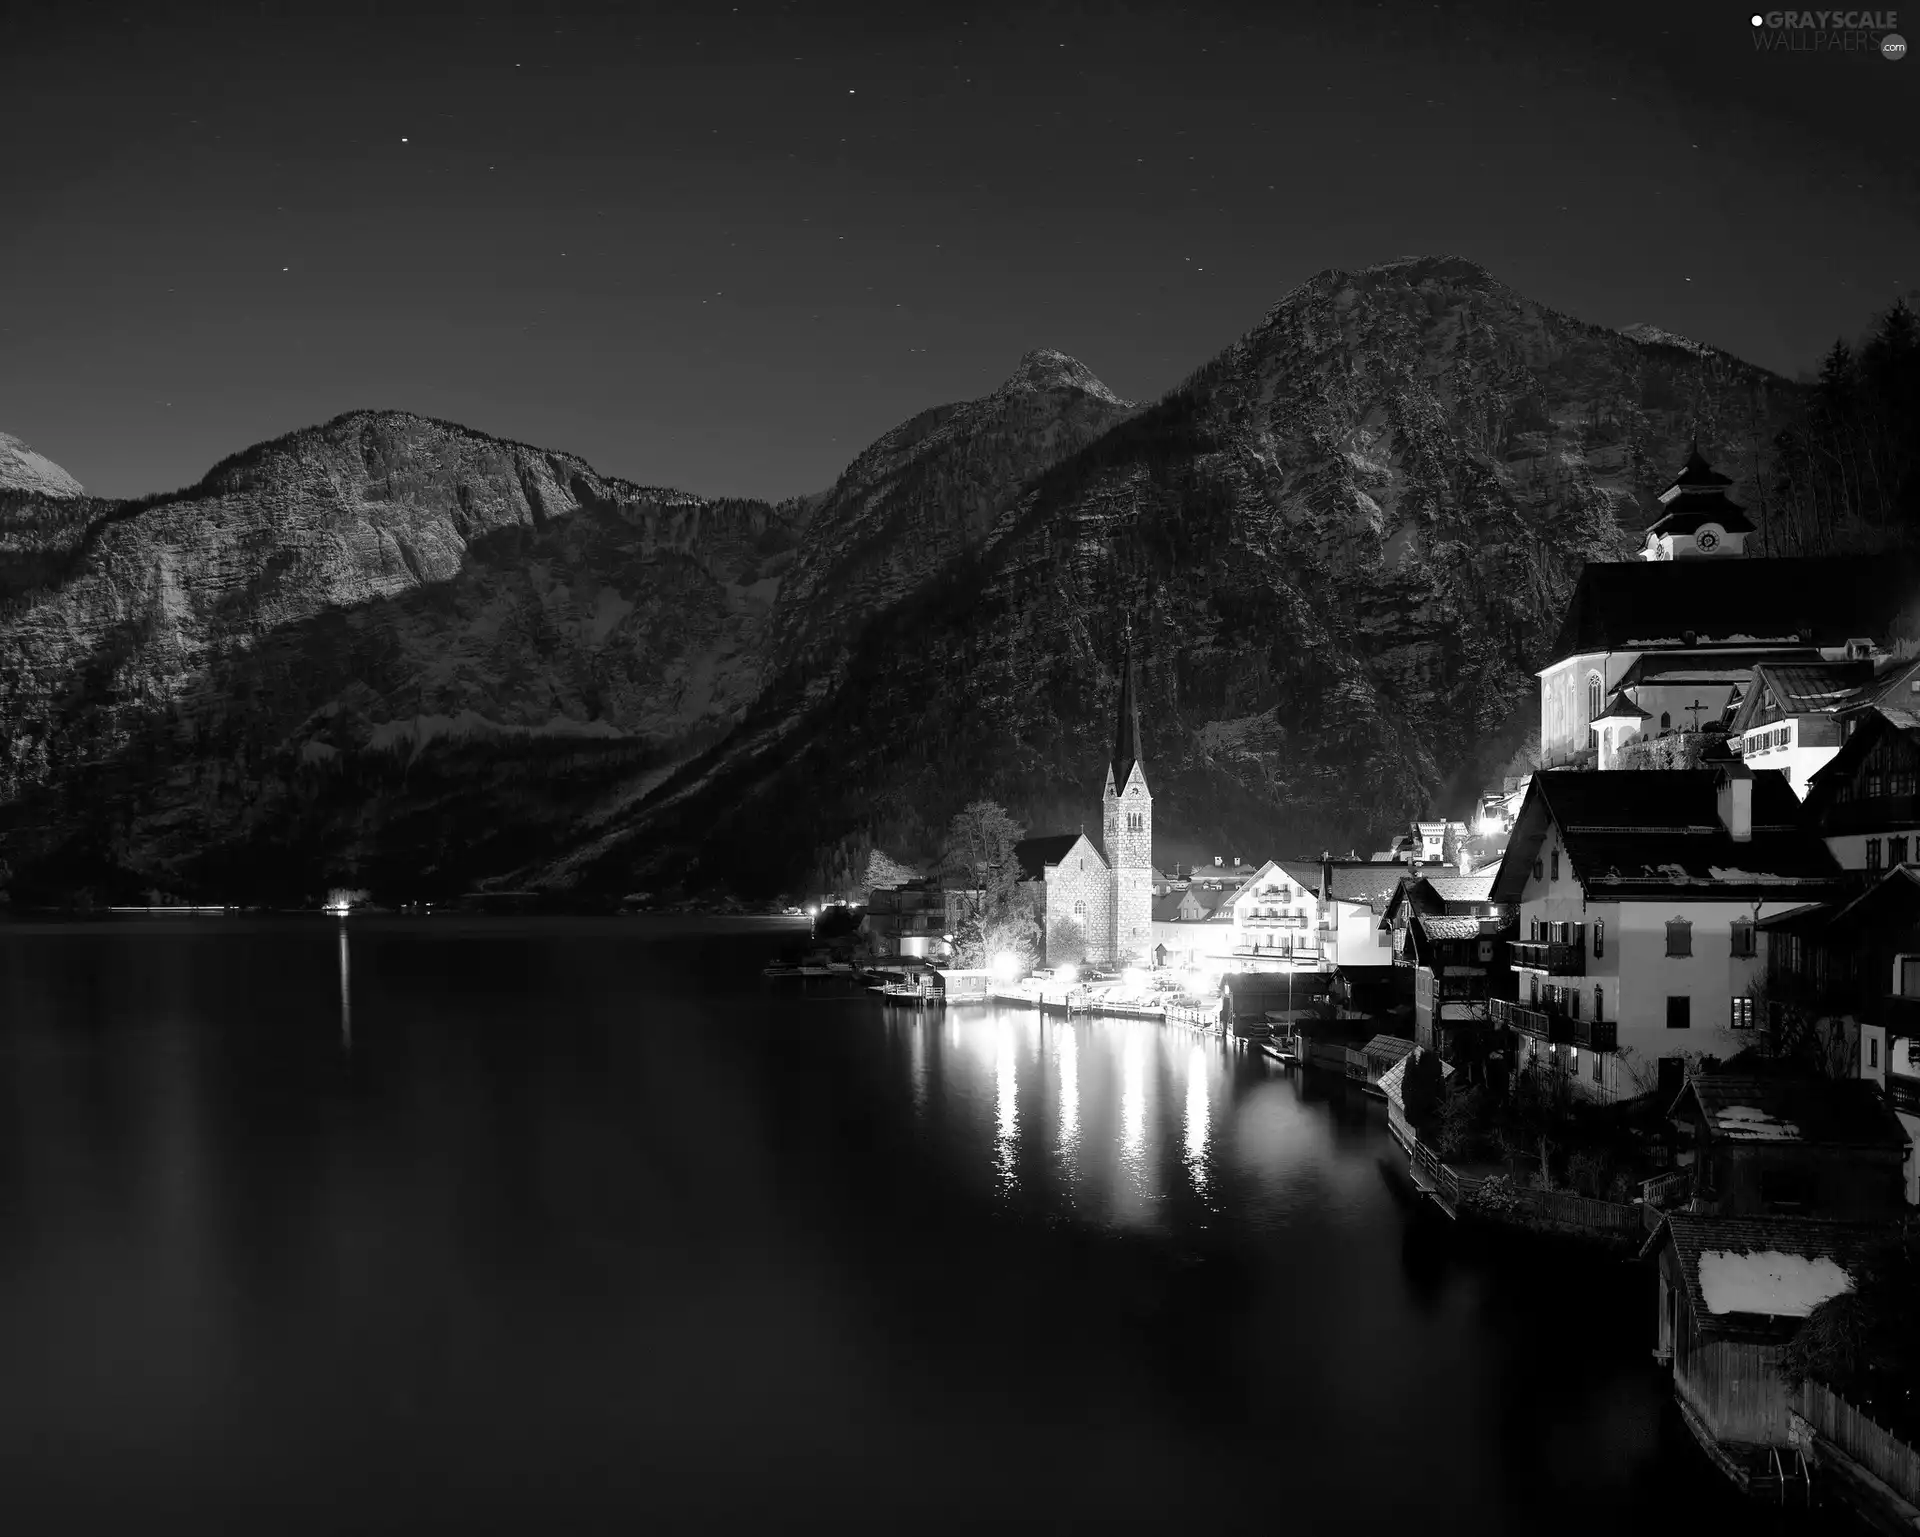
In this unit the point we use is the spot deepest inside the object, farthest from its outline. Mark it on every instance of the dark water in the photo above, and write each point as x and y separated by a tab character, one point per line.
577	1226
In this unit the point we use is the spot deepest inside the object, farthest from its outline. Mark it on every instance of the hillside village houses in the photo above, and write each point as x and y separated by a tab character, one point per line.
1662	646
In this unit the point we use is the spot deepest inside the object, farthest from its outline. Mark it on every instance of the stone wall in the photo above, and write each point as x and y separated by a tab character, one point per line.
1080	891
1130	848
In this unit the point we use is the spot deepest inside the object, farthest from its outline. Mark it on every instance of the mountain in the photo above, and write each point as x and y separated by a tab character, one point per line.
396	653
22	471
1344	543
248	674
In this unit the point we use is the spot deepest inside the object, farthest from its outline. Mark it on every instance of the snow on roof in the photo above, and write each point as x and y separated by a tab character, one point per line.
1392	1080
1769	1282
1752	1124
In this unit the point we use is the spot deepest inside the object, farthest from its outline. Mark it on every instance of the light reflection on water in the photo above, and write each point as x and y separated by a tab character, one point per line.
1197	1117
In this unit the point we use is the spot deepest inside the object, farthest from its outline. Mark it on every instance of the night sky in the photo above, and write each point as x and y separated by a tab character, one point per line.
723	247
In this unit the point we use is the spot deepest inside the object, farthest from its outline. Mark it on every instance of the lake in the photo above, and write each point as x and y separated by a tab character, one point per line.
495	1225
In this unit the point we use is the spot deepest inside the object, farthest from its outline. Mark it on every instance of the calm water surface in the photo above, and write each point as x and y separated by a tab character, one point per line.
397	1226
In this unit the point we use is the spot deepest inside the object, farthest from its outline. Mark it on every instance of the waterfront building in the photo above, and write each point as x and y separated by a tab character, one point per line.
1639	895
1353	899
1732	1292
1786	1143
1450	938
907	920
1102	894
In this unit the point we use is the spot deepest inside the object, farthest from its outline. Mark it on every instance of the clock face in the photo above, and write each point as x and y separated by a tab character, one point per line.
1708	539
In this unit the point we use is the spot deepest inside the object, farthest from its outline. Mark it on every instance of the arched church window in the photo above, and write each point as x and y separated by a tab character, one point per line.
1593	696
1666	720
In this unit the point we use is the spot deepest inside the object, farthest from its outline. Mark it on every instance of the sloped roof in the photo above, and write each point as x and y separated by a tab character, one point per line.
1715	668
1370	882
1782	689
1810	1112
1846	1244
1395	1046
1477	887
1636	833
1035	854
1688	511
1166	907
1302	872
1809	600
1456	928
1209	898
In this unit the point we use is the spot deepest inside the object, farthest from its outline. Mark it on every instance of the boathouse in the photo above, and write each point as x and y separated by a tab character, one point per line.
1732	1292
1787	1144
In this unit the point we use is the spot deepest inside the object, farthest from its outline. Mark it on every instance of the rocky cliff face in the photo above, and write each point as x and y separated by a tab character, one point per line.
1344	543
191	683
389	652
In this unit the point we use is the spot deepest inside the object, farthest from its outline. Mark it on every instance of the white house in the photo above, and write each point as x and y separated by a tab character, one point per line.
1795	717
1276	916
1638	894
1354	897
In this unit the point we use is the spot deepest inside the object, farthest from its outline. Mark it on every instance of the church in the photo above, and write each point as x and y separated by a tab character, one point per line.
1102	894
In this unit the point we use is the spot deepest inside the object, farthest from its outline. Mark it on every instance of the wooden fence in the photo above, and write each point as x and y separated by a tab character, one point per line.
1668	1190
1583	1212
1879	1451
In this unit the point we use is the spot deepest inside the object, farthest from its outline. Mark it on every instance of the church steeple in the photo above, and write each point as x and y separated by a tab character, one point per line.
1126	727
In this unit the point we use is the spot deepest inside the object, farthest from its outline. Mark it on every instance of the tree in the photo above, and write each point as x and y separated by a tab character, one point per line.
982	875
883	874
1801	1029
1421	1089
1066	943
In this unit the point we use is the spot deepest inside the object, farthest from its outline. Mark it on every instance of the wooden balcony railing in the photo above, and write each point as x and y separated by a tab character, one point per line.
1554	957
1552	1026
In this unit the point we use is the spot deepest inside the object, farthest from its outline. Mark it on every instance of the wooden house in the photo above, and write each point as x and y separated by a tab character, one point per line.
1732	1292
1393	1090
1778	1144
1246	998
1380	1053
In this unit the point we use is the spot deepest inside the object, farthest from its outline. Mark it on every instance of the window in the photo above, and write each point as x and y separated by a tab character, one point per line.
1593	696
1873	1052
1875	784
1533	931
1679	1011
1536	869
1079	909
1666	720
1573	1058
1742	937
1679	937
1742	1012
1556	864
1873	853
1896	851
1599	937
1533	985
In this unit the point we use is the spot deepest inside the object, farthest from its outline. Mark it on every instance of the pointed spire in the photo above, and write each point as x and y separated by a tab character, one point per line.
1126	729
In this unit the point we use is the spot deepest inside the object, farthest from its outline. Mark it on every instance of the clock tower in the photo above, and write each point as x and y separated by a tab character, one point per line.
1697	521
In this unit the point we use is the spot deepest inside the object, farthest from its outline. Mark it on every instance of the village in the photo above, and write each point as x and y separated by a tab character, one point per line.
1659	991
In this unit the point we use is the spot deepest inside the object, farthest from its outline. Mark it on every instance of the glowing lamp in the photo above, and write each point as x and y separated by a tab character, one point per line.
1068	974
1134	977
1006	965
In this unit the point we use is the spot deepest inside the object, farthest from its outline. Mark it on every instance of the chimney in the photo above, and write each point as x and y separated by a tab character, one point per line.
1735	787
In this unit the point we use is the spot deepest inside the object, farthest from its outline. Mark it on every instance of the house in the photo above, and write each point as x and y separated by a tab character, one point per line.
1248	996
1381	1052
1732	1292
1623	610
1787	1144
1679	700
907	920
1450	938
1638	896
1275	916
1852	969
1866	800
1353	898
1792	715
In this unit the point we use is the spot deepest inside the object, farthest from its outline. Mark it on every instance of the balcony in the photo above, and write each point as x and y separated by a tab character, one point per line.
1556	1028
1555	957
